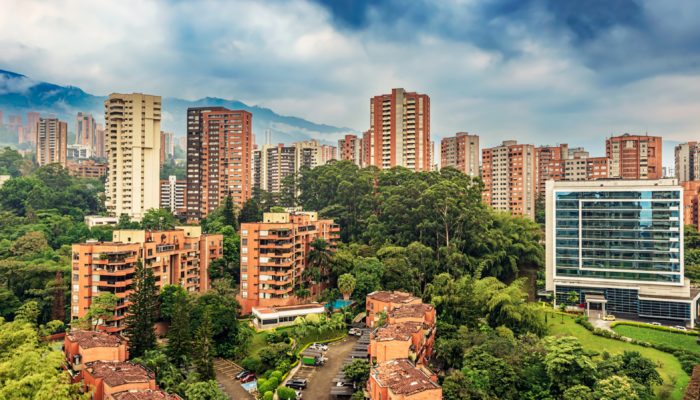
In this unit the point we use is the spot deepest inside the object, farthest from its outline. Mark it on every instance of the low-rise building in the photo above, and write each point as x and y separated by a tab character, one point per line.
97	220
419	312
179	256
82	347
412	340
87	168
145	395
274	317
385	301
401	380
107	378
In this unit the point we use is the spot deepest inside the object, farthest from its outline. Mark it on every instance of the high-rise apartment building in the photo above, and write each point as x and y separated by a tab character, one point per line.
274	255
219	158
133	151
509	172
461	152
311	154
634	156
167	146
177	257
86	131
350	148
31	129
271	164
687	162
618	244
173	195
399	133
51	141
550	164
691	203
99	150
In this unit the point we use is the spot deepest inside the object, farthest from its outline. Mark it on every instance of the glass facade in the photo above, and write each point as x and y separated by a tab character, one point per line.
630	235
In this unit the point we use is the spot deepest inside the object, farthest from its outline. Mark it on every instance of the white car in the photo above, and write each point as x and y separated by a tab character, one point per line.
680	328
656	323
319	346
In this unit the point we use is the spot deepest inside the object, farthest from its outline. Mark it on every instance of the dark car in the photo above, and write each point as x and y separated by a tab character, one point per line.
296	384
248	378
242	374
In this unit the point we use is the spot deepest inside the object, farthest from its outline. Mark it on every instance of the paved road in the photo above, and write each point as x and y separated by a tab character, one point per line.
320	378
226	377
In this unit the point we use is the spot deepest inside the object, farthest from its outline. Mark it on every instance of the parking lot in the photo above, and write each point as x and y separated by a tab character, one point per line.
320	378
226	377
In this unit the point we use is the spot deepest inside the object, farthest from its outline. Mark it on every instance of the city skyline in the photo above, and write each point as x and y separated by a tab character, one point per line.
587	71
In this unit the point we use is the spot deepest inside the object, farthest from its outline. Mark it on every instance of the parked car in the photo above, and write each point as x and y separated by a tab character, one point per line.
242	374
299	384
656	323
680	328
248	378
319	346
354	332
609	317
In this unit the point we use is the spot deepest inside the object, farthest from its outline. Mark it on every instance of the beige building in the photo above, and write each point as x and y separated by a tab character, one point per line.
133	153
509	173
462	152
271	164
687	162
51	143
350	148
311	154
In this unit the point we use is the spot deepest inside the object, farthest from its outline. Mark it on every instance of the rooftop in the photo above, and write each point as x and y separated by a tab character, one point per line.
392	297
90	339
117	373
300	307
144	395
411	311
402	377
402	331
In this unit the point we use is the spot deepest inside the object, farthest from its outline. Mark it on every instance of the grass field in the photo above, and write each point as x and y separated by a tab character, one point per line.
680	340
675	379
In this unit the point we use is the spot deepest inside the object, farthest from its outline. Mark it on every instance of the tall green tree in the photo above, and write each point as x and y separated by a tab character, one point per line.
203	357
229	213
179	334
158	219
143	312
346	285
101	310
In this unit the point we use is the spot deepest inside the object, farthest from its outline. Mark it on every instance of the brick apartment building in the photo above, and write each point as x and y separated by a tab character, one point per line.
384	301
634	156
509	172
399	379
350	149
82	347
461	152
87	168
179	257
219	158
107	378
274	254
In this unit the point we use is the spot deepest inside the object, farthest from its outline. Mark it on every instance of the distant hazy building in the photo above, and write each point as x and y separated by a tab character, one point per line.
399	133
510	178
687	162
167	146
99	150
311	154
634	156
350	148
173	195
51	141
86	133
78	152
271	164
461	152
219	158
133	153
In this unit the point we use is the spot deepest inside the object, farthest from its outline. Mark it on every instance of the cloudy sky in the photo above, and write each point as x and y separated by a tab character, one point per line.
539	71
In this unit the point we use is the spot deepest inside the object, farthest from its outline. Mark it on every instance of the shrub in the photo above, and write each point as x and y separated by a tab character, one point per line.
268	396
252	364
285	393
276	374
267	385
655	327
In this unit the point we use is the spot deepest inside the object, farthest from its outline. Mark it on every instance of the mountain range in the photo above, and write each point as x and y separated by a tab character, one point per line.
20	94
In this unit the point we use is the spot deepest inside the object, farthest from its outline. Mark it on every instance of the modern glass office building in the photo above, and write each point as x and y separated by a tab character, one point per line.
619	244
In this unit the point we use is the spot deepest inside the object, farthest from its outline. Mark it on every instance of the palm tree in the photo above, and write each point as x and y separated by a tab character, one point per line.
346	285
320	257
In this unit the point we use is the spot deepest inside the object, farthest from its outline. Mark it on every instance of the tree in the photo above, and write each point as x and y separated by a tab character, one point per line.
142	312
28	313
567	365
170	296
126	223
179	337
102	309
58	309
158	219
615	388
203	357
346	284
357	371
207	390
320	258
229	213
30	244
285	393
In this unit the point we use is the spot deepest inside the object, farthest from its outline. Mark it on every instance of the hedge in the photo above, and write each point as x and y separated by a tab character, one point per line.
655	327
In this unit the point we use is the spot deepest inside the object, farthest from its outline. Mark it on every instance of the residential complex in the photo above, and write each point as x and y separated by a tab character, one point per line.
177	257
133	152
399	133
311	154
81	347
691	203
274	254
619	245
350	149
461	152
173	195
51	138
167	146
400	350
634	156
219	158
87	134
78	152
551	162
87	168
509	172
687	162
271	164
108	378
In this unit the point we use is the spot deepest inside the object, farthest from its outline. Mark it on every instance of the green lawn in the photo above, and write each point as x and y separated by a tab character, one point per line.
680	340
675	379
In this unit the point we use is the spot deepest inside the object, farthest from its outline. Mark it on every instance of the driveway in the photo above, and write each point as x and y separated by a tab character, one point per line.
321	379
226	377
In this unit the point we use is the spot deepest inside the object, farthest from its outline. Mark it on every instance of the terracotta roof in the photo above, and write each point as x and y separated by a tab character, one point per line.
145	395
410	310
90	339
392	297
400	331
402	377
117	373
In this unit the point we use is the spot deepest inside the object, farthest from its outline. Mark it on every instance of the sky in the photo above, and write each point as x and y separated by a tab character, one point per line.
539	71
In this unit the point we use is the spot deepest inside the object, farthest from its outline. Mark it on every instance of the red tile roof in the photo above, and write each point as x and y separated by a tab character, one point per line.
392	297
145	395
117	373
411	310
90	339
402	377
401	331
